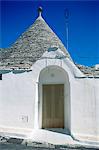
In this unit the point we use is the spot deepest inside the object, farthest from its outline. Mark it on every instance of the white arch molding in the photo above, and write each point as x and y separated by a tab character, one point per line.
55	75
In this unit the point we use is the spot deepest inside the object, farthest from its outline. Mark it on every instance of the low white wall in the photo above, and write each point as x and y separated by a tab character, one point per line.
85	107
17	93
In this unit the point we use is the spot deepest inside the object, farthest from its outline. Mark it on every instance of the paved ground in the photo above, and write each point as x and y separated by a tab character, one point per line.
7	143
24	147
19	144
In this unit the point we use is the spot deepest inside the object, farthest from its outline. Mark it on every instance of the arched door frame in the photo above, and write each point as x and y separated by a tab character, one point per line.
67	110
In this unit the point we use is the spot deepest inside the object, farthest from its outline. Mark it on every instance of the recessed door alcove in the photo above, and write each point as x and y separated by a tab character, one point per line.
54	98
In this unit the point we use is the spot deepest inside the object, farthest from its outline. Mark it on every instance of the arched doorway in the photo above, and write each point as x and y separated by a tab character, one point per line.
54	98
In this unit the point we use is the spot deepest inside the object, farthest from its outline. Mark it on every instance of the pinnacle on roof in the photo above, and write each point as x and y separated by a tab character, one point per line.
40	11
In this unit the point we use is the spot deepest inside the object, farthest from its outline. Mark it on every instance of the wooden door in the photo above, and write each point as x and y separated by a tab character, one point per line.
53	106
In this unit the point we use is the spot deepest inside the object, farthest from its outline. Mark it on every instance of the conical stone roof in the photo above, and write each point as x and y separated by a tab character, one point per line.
30	46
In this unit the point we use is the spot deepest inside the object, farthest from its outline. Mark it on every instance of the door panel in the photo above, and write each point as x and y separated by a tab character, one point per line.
53	106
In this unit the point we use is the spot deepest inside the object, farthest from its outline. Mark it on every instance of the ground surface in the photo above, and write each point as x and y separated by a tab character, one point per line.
24	147
7	143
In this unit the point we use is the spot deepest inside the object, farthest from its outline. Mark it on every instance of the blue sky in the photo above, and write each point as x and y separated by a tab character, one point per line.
17	16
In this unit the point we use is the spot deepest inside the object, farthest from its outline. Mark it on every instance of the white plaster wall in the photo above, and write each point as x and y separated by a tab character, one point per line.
19	99
85	107
17	94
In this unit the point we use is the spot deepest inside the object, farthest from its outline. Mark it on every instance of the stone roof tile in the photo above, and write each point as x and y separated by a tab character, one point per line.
31	45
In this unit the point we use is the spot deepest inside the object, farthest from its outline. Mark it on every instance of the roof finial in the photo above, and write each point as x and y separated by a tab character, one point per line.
40	11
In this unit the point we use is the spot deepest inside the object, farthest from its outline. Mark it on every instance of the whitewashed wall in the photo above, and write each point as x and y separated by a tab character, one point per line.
85	108
17	93
19	99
